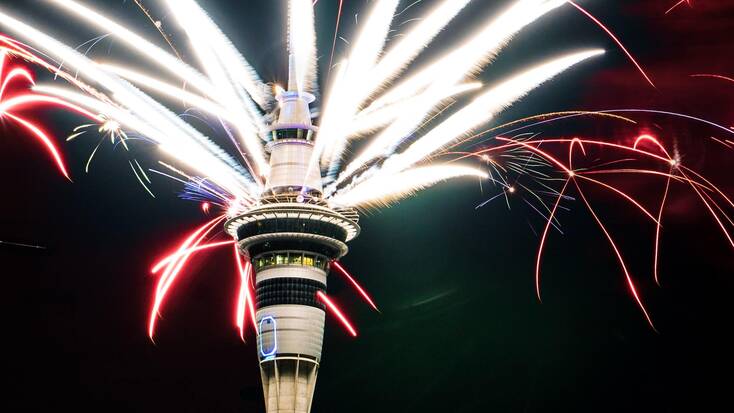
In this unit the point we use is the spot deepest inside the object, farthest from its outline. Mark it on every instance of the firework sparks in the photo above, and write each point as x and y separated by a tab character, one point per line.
407	117
616	40
337	312
355	284
712	76
134	111
388	128
245	302
386	189
676	173
440	76
680	3
483	109
336	32
175	266
11	100
156	268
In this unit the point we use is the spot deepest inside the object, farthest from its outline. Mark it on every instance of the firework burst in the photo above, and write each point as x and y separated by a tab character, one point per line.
405	121
15	98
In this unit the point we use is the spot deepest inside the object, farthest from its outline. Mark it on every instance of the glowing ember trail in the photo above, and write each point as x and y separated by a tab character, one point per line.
673	165
245	302
543	238
179	254
337	312
174	268
630	282
616	40
727	78
12	101
356	285
336	32
656	258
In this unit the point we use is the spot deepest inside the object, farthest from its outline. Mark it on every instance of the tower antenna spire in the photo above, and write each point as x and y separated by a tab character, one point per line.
293	85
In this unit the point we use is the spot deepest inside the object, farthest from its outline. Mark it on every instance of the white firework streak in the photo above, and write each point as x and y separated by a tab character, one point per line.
440	76
364	84
478	51
371	121
171	91
361	98
198	151
240	71
483	109
480	111
155	54
385	189
190	18
397	59
179	146
172	64
344	101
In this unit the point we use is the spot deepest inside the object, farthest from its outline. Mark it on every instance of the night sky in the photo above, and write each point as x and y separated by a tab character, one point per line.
461	328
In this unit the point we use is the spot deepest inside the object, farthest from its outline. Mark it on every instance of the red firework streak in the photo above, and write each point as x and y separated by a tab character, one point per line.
616	40
711	196
681	2
15	81
245	301
334	309
341	270
174	264
720	77
336	32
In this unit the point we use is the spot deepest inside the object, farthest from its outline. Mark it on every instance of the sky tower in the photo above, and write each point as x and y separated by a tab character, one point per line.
290	238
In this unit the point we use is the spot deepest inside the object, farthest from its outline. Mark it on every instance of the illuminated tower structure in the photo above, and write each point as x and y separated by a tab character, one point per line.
290	237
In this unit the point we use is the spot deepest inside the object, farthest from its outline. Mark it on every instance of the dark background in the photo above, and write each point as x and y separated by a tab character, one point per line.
461	328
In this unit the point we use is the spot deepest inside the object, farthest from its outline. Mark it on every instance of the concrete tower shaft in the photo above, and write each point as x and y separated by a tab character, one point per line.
290	239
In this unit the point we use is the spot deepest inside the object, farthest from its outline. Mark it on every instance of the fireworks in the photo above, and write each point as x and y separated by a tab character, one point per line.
406	116
679	3
21	245
616	40
645	148
333	307
14	98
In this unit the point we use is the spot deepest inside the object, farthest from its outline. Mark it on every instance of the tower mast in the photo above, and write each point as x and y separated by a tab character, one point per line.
290	237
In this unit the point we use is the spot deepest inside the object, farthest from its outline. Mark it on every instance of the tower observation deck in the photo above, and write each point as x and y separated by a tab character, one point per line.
290	238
